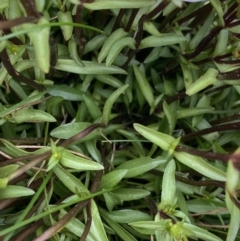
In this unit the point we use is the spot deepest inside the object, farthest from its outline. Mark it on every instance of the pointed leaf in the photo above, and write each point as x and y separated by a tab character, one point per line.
128	194
112	178
15	191
32	116
162	140
139	166
76	162
128	215
198	164
89	67
109	4
97	228
163	40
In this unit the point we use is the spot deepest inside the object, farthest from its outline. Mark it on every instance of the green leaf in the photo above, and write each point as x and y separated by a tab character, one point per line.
128	194
218	7
97	228
233	229
151	28
120	231
40	41
32	116
111	200
109	80
11	149
168	197
14	58
109	4
188	112
68	130
139	166
76	162
135	141
232	177
201	33
67	93
128	215
3	182
95	43
198	164
222	43
15	191
7	170
66	29
162	140
91	146
89	67
114	36
154	225
201	233
203	102
144	86
209	78
163	40
171	117
118	46
76	227
69	181
109	103
29	101
111	179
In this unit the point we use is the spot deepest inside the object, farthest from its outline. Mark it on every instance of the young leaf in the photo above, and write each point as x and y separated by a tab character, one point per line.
109	4
168	197
198	164
97	228
76	162
120	231
162	140
68	130
111	179
7	170
89	67
201	233
31	115
66	29
128	194
15	191
40	41
209	78
95	43
128	215
109	103
163	40
117	47
69	181
116	35
144	86
139	166
76	227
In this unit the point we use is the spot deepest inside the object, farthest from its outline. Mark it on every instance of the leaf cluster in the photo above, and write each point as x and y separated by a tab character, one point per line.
119	120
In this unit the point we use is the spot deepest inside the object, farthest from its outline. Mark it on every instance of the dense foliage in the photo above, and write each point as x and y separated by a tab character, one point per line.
119	120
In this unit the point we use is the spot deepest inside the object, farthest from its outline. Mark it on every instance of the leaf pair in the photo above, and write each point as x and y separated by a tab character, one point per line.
114	44
168	143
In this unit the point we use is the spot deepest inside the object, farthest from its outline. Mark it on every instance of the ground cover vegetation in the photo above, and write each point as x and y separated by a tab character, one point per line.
119	120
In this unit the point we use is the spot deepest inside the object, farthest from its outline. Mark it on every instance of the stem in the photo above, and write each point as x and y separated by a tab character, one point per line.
118	19
204	154
16	75
224	127
131	19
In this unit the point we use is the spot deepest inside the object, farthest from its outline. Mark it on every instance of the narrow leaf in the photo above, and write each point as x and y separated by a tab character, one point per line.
15	191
